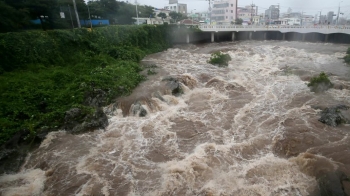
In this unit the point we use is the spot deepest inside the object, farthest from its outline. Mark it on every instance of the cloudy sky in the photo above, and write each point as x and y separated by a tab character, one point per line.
309	6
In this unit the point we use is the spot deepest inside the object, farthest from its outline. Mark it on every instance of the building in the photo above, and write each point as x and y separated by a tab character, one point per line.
272	14
188	22
175	6
330	17
156	19
150	20
199	16
323	20
247	13
258	19
293	21
224	12
307	20
291	15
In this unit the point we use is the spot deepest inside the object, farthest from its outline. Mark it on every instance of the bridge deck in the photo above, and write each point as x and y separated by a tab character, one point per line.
282	29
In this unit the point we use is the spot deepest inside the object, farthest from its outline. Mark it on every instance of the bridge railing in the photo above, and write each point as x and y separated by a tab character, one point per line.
270	27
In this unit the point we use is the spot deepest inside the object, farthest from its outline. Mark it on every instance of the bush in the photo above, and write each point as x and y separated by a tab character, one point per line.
44	74
348	51
220	59
347	59
320	83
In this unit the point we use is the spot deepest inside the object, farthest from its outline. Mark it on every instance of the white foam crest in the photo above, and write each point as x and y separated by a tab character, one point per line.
262	175
29	182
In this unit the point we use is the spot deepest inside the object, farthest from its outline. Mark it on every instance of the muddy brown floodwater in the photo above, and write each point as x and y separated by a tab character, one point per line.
249	129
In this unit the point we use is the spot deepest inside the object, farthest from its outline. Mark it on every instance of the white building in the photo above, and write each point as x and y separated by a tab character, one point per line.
150	20
224	12
293	21
175	6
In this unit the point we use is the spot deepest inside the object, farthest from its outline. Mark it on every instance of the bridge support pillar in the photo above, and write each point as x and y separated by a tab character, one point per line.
212	37
284	37
233	36
250	35
304	35
188	38
326	38
265	36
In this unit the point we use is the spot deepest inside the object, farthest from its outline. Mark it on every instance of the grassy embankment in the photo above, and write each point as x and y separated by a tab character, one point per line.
44	74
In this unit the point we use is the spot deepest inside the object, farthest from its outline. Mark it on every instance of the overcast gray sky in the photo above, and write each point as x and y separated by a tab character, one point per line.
309	6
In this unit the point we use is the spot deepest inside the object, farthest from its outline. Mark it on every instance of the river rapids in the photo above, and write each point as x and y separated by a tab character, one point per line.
247	129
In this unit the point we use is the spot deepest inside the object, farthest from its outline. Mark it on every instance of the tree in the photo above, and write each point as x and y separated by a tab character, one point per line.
40	9
162	15
12	19
175	16
67	7
239	21
146	11
125	13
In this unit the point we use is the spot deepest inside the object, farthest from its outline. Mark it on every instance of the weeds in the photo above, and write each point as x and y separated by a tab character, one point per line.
220	59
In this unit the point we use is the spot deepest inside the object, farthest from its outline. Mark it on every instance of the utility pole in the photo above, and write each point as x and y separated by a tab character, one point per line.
236	11
338	12
252	13
71	19
209	11
270	15
301	20
137	13
76	13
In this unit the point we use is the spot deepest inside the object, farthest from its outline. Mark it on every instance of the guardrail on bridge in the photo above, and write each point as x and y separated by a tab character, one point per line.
284	29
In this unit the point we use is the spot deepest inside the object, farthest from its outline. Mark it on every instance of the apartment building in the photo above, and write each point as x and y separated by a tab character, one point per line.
175	6
224	12
247	13
273	13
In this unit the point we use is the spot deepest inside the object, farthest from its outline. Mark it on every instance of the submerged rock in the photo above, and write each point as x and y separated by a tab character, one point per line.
174	85
331	184
79	121
138	110
333	116
14	152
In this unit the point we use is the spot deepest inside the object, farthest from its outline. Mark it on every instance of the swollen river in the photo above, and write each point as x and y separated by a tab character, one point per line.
247	129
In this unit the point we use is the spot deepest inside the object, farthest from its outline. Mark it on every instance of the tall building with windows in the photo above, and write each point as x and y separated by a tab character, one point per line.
175	6
224	12
273	13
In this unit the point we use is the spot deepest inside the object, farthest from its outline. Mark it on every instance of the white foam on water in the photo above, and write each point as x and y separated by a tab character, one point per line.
215	139
30	182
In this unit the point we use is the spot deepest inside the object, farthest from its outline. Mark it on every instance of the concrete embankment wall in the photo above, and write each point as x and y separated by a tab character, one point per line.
206	37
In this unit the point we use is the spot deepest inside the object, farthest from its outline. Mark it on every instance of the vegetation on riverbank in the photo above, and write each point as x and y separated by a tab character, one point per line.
44	74
320	83
220	59
347	57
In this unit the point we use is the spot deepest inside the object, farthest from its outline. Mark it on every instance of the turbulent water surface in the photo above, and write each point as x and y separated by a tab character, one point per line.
249	129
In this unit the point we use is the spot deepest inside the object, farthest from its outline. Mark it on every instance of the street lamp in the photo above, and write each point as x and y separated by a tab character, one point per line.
338	12
89	14
192	15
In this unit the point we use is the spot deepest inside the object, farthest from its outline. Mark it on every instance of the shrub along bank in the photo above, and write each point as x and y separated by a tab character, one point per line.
347	57
44	74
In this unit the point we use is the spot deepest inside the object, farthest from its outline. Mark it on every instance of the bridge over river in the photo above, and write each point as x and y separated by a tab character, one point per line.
338	34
